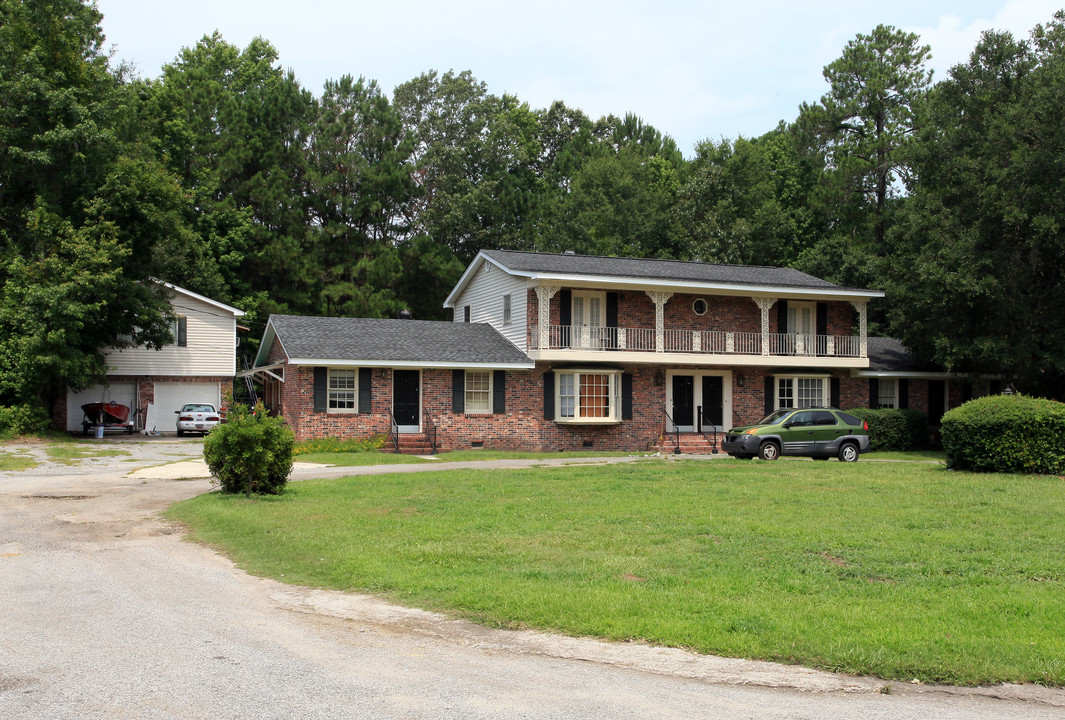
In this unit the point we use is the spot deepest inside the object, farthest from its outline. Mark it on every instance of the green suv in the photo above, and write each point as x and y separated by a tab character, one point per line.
819	433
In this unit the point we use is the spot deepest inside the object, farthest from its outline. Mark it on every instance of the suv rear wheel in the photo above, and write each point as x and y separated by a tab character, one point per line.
848	452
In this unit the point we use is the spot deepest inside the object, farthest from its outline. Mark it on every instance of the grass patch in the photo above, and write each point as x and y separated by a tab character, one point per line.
15	462
902	570
72	454
911	455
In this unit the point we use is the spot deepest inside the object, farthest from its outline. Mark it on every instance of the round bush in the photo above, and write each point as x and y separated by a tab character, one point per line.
895	429
250	452
1008	434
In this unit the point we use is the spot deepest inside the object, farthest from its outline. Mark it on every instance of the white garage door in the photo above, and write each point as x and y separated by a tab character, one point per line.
169	397
122	393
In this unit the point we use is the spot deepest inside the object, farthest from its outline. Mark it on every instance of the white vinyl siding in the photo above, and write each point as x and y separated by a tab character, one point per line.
484	294
210	348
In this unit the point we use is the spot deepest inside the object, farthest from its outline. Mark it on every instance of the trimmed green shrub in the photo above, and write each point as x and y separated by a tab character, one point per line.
250	451
22	420
1006	433
891	429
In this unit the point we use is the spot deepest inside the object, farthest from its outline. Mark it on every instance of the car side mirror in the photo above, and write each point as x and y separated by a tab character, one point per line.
177	412
786	425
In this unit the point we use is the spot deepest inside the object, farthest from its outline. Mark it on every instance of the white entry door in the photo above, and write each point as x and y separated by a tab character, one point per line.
802	325
588	309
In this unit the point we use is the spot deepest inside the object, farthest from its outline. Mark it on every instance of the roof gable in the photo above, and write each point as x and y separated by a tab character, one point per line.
565	266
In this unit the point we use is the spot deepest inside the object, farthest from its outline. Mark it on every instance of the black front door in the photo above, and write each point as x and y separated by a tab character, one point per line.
406	405
937	398
713	401
683	401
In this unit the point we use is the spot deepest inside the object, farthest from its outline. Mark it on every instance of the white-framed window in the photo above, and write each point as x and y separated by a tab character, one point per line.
180	330
343	391
588	396
478	391
887	393
506	309
800	392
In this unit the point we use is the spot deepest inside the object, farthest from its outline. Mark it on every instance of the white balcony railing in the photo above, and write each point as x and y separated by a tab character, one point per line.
703	342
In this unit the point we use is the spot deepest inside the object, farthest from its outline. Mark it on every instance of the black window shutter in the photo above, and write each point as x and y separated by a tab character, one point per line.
874	393
626	396
612	309
904	394
782	316
183	331
321	380
549	396
499	391
834	400
822	318
365	390
770	382
458	391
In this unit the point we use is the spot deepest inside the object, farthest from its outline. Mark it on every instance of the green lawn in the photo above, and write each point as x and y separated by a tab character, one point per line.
903	570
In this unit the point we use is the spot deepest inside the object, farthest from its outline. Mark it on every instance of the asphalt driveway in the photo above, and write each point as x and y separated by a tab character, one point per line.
108	613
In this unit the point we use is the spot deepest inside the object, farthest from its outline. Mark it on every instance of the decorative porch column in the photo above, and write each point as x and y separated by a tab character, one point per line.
863	327
660	299
544	293
764	304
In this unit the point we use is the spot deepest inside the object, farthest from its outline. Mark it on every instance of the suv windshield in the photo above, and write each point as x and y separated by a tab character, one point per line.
774	418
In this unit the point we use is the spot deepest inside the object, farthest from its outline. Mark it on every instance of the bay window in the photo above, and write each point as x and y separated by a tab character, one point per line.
587	396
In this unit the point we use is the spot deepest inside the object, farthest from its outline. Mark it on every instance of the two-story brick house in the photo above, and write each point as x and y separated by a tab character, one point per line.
596	352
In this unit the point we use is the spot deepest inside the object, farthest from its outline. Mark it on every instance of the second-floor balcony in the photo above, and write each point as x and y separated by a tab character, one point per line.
577	338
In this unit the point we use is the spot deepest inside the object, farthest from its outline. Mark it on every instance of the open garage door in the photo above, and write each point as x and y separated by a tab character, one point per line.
122	393
170	396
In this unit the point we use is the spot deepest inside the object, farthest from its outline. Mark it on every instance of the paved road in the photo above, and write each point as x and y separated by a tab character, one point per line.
108	613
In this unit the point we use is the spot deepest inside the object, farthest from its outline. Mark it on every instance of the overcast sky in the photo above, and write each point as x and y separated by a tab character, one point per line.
694	70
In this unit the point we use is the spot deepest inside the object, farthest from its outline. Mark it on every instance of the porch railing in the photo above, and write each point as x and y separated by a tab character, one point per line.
430	430
702	342
393	431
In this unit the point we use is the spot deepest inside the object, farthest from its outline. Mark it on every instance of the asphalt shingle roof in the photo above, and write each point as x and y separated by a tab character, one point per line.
371	339
889	355
648	269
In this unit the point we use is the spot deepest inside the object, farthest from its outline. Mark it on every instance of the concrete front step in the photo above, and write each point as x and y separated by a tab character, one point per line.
689	443
411	444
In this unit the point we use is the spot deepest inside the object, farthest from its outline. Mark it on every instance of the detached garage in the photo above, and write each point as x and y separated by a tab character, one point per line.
194	368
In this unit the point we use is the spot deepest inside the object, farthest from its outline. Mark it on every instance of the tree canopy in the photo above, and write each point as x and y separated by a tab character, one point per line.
226	176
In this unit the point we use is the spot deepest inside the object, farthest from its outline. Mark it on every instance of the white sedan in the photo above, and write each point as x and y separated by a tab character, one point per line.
197	417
